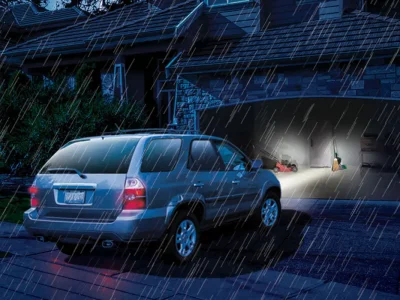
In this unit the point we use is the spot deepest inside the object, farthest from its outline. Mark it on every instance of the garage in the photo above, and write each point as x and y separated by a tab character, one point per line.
364	134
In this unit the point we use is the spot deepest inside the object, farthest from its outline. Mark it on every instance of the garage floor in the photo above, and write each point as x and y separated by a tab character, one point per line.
353	183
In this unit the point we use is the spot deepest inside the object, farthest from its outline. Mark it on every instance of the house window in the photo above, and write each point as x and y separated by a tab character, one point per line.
119	82
107	85
165	102
47	82
222	2
71	82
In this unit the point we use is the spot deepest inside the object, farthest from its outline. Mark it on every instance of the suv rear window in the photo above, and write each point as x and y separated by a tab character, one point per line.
98	156
204	157
161	155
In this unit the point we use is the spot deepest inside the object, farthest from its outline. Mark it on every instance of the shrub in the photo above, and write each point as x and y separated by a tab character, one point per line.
37	120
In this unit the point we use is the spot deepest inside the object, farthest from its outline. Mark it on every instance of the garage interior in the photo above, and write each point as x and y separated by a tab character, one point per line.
364	135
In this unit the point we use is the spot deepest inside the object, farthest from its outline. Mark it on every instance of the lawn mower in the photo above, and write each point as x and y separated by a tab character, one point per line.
284	166
273	163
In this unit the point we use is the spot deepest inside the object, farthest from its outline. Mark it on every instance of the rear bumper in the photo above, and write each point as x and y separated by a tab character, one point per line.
130	226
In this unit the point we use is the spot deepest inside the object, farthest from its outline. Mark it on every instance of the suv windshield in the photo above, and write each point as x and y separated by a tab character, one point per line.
97	156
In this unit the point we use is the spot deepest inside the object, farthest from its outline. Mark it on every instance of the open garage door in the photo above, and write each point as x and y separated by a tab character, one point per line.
365	134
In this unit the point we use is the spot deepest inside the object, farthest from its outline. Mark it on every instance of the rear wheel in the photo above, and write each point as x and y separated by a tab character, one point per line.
183	237
269	212
294	168
276	170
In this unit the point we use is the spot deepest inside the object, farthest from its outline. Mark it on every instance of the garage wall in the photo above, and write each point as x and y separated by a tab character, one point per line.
279	130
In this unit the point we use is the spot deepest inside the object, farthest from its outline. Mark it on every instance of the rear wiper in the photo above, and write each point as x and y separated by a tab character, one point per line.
66	170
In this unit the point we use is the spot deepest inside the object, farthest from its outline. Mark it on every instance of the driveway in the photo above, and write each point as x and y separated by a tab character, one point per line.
353	183
321	250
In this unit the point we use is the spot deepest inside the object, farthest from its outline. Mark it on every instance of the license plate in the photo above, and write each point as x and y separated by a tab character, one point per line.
74	198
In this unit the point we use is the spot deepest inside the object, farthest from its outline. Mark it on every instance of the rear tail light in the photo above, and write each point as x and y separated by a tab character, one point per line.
134	194
33	190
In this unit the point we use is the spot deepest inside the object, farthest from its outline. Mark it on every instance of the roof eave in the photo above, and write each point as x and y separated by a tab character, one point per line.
80	49
132	41
130	37
55	22
284	62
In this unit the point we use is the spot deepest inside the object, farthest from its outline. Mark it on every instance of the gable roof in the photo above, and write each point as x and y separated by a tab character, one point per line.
28	14
357	32
108	30
162	22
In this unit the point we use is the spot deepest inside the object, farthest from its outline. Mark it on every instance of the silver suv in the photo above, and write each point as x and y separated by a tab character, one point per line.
153	186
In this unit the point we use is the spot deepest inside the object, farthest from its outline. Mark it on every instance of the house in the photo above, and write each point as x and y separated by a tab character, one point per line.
301	80
313	78
130	47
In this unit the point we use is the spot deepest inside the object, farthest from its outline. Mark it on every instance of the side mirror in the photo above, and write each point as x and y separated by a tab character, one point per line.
256	164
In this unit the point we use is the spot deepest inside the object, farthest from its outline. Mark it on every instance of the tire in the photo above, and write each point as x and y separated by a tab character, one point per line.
294	168
175	250
260	218
73	249
276	170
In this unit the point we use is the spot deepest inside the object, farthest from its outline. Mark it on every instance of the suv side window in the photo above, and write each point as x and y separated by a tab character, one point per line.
204	157
161	155
233	159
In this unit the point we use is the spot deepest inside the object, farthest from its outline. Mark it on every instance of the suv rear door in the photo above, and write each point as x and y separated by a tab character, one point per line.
84	180
238	165
207	171
158	173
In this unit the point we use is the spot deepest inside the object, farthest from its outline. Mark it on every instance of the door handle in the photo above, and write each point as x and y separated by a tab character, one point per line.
235	181
198	184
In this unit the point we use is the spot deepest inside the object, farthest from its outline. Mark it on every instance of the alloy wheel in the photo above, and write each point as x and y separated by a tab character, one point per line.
185	238
269	212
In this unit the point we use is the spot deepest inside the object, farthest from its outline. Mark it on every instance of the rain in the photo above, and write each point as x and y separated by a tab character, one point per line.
199	149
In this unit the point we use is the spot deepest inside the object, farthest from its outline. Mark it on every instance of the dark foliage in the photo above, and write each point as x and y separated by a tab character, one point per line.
37	120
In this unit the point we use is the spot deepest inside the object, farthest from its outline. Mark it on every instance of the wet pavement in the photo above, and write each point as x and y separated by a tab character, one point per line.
321	250
352	183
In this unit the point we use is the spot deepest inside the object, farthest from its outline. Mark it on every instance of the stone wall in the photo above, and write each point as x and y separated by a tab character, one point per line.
378	79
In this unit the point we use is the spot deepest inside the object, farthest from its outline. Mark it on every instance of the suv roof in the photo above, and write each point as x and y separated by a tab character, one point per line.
154	131
139	133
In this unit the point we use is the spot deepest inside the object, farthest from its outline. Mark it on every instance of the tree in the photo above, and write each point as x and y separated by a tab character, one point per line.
36	120
9	3
96	6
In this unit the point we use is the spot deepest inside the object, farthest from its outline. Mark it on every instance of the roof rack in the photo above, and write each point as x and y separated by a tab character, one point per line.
153	130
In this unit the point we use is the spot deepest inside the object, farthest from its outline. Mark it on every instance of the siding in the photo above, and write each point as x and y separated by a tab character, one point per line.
331	10
231	20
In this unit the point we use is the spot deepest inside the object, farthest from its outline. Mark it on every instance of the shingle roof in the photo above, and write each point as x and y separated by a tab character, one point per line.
6	16
357	32
29	15
133	21
163	20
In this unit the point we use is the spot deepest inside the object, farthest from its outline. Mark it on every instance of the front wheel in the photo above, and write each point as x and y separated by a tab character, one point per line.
269	212
183	237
